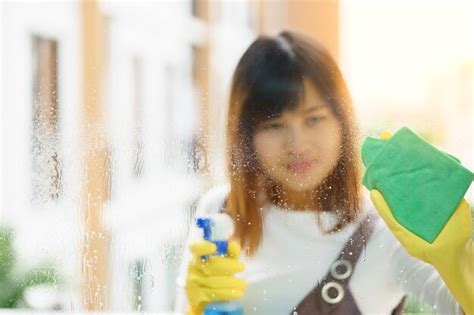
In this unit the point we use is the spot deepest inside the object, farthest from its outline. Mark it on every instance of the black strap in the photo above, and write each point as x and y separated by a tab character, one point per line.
356	244
318	300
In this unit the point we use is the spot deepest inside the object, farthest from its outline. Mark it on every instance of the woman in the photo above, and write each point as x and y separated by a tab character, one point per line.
312	242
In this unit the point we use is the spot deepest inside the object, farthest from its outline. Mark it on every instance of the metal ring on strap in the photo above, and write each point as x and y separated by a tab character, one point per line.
336	264
325	292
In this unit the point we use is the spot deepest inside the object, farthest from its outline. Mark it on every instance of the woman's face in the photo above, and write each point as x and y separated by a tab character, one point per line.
300	148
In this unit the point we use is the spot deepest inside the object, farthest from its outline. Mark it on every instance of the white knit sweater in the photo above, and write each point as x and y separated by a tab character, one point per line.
294	254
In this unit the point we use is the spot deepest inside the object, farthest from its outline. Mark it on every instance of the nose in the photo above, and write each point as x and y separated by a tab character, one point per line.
296	142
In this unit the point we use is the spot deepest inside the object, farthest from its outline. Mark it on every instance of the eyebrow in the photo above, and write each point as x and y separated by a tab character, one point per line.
314	108
306	111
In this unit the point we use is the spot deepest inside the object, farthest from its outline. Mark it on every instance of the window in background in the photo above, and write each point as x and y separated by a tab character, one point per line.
197	155
199	9
194	8
196	52
170	103
137	271
253	15
46	163
137	150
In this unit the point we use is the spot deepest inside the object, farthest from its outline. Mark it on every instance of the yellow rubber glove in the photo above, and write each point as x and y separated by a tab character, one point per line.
212	279
451	253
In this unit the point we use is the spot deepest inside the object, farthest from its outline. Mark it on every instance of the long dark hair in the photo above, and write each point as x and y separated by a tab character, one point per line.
267	81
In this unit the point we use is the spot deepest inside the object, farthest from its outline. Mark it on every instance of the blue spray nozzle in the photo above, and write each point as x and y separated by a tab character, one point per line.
206	225
217	229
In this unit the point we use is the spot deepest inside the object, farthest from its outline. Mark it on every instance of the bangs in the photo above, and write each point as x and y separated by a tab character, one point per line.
277	86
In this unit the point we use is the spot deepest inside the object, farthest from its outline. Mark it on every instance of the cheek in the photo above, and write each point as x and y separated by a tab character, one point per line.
331	142
267	150
326	142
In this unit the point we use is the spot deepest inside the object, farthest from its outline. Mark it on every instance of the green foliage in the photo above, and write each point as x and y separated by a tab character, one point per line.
13	283
414	306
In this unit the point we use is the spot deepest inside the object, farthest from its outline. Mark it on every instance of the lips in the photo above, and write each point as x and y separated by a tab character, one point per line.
300	166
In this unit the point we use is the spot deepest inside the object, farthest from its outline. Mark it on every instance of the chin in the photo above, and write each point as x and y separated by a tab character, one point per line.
301	186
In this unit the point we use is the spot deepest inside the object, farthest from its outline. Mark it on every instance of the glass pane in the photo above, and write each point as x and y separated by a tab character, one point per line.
123	122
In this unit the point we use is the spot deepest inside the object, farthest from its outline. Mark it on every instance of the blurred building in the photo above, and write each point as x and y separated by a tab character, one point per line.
115	116
114	121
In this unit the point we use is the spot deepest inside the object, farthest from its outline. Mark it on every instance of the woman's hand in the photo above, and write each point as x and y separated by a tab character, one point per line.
212	279
453	240
451	253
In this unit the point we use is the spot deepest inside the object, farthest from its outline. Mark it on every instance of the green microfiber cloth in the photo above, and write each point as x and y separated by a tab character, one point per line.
421	184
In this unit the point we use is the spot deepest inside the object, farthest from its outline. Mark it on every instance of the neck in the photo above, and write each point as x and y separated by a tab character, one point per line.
296	200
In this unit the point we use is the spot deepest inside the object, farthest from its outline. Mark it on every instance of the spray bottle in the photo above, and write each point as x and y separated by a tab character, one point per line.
218	228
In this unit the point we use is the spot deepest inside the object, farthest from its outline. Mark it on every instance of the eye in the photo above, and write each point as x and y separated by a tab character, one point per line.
272	126
314	120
